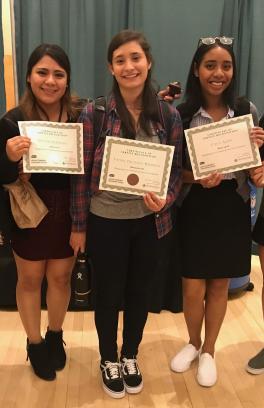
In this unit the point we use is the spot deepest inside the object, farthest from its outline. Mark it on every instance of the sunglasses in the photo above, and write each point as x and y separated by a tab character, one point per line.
212	40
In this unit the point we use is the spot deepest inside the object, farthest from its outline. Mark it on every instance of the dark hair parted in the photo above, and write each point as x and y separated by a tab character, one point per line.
149	98
193	94
28	102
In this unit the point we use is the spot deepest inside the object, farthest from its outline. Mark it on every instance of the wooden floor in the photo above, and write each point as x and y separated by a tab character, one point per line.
78	385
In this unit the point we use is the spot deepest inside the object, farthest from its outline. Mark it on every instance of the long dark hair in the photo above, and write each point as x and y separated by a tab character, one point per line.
149	99
28	102
193	94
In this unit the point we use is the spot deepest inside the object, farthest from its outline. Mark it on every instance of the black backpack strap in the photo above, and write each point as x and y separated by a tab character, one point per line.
100	105
165	116
242	106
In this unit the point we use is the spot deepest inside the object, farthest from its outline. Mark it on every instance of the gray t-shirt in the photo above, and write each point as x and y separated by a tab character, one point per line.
109	204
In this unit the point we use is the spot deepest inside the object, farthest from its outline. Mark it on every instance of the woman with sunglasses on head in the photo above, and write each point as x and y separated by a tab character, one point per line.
214	211
123	230
45	250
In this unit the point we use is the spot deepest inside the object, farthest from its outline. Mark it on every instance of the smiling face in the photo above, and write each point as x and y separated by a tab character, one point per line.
48	81
130	66
215	72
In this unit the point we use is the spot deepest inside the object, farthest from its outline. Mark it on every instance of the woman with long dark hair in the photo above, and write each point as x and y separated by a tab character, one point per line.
214	211
123	229
45	250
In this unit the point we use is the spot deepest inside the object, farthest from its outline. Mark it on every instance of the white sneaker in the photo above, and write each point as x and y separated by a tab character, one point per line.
183	360
206	373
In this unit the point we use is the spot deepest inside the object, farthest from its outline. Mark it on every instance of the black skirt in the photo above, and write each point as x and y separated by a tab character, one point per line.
215	232
50	240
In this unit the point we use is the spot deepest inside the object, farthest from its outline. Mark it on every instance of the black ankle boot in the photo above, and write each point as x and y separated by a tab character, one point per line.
57	353
40	361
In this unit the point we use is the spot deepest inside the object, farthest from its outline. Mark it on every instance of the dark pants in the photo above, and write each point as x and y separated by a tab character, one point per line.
123	254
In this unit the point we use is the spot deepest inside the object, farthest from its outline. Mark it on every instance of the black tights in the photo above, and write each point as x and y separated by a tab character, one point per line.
123	253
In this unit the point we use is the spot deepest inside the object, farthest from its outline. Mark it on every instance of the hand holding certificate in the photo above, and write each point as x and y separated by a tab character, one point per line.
136	167
222	147
55	147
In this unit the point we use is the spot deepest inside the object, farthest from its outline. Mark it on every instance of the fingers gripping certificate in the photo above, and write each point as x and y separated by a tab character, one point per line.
55	147
222	147
136	167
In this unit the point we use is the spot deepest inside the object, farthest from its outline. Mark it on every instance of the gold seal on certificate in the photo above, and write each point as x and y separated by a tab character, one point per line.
135	167
55	147
222	147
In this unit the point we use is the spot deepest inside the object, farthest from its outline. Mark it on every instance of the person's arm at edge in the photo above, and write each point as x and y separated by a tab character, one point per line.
8	168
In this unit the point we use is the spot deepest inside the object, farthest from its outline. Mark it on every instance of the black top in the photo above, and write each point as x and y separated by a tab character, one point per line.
9	170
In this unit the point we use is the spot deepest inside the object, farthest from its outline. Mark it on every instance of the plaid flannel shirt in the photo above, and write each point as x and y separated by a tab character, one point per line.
84	186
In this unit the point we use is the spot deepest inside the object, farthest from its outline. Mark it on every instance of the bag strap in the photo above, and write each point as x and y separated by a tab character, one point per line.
100	105
165	116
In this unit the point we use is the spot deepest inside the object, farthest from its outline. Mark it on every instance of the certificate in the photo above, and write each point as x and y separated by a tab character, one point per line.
222	147
55	147
136	167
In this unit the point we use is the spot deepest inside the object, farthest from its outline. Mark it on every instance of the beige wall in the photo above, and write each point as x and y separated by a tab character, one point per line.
8	59
6	27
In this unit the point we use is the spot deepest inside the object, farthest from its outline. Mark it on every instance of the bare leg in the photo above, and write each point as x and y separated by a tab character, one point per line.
215	309
261	258
28	295
58	274
193	307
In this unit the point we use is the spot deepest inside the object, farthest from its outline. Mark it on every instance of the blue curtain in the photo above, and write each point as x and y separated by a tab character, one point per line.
237	22
256	66
84	28
173	28
2	83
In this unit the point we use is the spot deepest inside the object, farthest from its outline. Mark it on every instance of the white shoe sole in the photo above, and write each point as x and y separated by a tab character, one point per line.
206	384
254	371
113	394
134	390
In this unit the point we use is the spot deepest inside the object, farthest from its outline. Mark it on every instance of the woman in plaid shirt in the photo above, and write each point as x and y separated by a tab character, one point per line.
123	229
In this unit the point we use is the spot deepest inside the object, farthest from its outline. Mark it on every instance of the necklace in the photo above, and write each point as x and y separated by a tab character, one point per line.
45	113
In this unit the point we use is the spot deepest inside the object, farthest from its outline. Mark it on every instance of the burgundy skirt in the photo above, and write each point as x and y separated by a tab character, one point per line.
50	240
